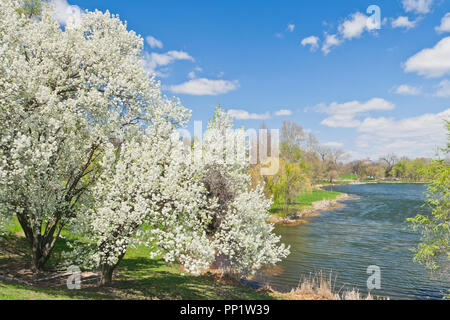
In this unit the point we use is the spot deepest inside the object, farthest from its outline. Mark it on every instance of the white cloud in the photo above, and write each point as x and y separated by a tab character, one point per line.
333	144
245	115
193	73
283	112
344	114
153	42
153	61
65	13
290	27
445	24
417	6
205	87
416	136
330	41
444	89
312	41
404	22
434	62
354	26
408	90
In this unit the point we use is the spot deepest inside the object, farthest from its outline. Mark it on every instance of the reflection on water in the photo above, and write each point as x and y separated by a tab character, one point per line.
371	230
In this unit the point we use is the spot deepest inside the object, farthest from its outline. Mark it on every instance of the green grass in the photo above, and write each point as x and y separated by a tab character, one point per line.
305	201
336	182
12	291
14	227
139	277
348	176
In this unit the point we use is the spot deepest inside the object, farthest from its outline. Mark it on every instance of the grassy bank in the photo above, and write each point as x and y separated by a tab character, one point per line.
142	278
305	201
138	277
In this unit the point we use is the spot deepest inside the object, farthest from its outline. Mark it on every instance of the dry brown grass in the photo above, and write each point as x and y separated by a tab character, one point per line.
320	287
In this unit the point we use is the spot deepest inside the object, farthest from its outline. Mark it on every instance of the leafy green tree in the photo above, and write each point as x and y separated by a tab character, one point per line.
434	247
412	170
418	170
400	169
289	183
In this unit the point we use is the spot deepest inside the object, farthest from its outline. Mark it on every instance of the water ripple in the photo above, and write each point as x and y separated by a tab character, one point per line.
370	230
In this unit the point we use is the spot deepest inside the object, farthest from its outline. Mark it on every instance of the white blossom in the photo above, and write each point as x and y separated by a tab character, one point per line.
244	241
65	95
89	143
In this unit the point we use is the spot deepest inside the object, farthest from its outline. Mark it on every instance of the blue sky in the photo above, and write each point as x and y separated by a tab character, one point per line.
366	90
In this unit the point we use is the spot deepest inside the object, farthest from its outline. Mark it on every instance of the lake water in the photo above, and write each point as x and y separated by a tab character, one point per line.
368	231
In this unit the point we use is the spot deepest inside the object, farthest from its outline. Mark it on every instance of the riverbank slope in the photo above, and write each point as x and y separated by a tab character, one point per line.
308	205
140	278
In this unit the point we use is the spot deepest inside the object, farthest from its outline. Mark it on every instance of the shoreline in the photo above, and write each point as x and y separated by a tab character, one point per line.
317	207
367	182
314	210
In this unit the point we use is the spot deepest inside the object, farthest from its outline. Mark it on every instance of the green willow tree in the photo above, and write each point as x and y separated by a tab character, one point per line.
288	184
434	247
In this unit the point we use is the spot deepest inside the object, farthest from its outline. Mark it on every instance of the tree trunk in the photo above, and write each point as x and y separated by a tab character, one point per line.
108	270
40	253
41	246
37	259
107	273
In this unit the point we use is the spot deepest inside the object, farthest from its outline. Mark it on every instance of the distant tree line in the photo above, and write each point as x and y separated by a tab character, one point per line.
304	162
390	167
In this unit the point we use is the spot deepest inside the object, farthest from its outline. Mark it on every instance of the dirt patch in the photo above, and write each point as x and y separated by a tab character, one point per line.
287	221
21	273
15	266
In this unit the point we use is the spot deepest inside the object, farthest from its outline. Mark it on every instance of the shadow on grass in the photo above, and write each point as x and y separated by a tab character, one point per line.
138	277
144	278
13	247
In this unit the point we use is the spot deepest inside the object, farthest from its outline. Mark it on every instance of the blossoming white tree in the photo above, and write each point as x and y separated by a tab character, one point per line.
198	211
88	142
241	236
64	95
147	181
